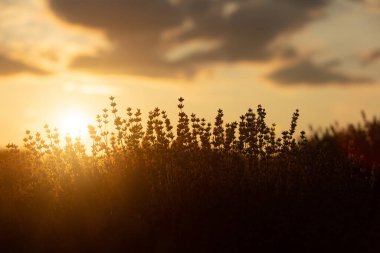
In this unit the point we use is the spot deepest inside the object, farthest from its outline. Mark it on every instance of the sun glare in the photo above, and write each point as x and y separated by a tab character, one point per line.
74	124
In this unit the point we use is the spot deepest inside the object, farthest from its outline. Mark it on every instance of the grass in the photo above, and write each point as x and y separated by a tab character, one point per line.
192	187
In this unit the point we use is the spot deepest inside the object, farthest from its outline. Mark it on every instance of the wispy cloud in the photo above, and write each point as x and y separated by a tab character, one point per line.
371	57
29	32
9	66
308	72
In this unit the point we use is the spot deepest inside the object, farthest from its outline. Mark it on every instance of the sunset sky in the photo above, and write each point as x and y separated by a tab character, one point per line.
62	59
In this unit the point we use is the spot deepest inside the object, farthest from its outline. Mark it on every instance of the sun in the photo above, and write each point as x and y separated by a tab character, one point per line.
74	124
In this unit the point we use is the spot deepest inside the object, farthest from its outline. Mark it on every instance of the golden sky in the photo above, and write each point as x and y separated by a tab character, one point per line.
61	59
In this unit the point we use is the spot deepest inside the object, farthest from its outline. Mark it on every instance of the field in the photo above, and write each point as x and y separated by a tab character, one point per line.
192	186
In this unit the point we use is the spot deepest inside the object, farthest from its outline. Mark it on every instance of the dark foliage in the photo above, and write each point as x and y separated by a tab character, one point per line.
218	187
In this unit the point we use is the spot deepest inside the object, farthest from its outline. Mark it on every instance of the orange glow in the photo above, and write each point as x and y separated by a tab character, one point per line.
74	123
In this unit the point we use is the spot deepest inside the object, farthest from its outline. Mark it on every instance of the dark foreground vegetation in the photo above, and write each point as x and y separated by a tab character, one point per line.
197	187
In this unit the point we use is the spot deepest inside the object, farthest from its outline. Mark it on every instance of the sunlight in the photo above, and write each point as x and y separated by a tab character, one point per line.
74	123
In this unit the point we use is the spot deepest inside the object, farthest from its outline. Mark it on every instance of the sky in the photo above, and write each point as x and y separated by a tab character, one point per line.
60	60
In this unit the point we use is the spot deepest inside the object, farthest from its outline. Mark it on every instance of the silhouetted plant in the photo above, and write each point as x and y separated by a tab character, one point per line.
228	187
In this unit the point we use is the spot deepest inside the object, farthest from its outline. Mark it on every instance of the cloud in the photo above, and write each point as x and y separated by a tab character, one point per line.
307	72
368	2
145	33
31	34
371	57
9	66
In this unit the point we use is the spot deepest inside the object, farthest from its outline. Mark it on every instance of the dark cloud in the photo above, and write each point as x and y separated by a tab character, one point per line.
9	67
249	32
126	17
136	28
368	2
307	72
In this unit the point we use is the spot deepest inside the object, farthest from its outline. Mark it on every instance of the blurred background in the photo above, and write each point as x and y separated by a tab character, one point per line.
60	60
